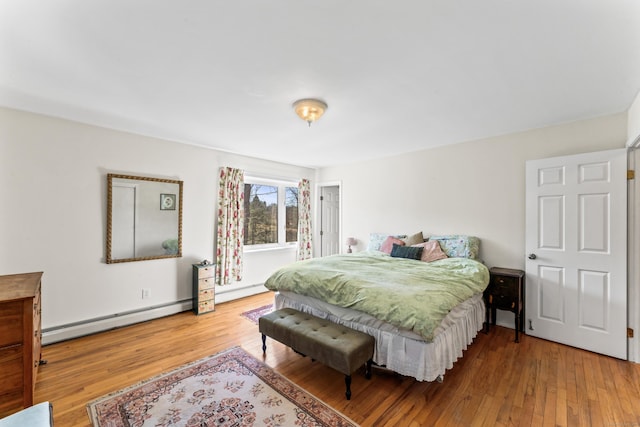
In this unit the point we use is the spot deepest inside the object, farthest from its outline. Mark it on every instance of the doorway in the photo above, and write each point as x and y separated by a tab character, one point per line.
329	199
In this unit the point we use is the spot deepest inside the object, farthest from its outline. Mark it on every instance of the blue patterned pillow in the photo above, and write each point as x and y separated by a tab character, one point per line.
411	252
458	245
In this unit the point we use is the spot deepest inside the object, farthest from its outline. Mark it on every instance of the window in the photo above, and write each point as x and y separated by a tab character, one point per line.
270	213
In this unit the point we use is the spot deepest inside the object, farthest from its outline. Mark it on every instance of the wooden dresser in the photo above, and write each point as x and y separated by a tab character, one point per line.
19	340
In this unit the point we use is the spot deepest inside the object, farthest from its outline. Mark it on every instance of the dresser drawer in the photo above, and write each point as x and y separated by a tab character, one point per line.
205	294
11	326
206	272
206	283
205	306
11	374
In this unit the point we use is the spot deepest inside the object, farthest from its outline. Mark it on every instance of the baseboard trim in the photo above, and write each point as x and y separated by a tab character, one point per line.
101	324
230	293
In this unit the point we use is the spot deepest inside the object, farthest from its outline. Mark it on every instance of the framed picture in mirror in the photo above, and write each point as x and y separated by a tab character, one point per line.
167	202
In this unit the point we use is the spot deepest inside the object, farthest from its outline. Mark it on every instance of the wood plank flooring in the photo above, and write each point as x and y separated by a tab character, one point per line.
496	383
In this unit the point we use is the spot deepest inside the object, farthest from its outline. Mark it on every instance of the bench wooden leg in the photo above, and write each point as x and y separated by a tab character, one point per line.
367	372
347	381
264	343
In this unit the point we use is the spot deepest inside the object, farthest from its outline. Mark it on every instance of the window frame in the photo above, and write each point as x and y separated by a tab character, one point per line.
281	184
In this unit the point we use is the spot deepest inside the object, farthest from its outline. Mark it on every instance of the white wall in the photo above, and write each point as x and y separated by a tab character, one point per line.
53	215
633	123
475	188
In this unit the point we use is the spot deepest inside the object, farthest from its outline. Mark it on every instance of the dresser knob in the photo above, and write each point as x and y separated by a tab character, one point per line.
532	256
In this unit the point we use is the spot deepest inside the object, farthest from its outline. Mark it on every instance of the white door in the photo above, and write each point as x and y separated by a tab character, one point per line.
576	242
330	220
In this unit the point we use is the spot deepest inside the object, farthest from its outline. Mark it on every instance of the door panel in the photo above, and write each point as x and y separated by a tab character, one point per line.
552	230
551	293
576	232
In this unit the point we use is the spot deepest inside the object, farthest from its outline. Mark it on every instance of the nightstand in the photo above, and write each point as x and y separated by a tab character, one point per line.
505	292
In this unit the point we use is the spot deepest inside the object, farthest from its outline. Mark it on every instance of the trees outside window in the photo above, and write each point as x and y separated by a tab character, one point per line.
271	213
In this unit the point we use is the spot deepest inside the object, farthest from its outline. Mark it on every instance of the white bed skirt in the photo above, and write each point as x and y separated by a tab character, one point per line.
403	351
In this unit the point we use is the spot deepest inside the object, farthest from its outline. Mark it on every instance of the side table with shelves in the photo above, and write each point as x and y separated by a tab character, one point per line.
506	291
204	288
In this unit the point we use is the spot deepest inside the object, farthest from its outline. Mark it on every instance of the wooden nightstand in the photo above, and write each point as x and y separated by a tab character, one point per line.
505	292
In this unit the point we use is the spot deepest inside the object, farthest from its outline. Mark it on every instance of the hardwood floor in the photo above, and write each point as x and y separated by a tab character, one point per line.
496	383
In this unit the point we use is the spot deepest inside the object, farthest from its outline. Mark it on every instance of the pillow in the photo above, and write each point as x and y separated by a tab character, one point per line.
431	251
376	240
387	245
410	252
459	246
414	239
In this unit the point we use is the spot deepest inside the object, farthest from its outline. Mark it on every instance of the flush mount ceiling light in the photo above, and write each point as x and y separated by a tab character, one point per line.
309	109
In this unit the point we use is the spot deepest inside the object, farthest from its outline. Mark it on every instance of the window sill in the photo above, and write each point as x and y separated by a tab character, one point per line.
270	249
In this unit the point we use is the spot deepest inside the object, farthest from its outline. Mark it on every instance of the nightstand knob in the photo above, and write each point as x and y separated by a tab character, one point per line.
532	256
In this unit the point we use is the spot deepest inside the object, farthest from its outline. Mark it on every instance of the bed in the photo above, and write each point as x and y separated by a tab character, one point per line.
423	312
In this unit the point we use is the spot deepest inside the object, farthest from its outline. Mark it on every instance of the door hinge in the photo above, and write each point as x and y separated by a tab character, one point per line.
629	333
631	174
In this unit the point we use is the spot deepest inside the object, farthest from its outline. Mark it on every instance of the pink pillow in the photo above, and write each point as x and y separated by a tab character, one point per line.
387	245
431	251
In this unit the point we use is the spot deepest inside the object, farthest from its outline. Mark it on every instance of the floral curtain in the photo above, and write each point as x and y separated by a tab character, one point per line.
304	220
230	226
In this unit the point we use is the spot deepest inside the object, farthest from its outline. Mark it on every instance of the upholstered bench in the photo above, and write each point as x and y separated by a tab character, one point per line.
336	346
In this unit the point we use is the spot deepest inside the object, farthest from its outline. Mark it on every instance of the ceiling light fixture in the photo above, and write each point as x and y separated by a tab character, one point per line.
309	109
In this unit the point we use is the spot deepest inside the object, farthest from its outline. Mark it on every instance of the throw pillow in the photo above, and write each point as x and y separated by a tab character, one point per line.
414	239
387	245
410	252
431	251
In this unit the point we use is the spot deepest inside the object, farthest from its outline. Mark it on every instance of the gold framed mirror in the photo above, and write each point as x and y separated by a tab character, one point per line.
144	218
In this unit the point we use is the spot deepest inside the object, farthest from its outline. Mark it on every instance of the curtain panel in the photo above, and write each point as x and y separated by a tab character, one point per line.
230	226
305	250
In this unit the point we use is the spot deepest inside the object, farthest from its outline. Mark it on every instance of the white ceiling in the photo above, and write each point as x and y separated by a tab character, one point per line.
398	75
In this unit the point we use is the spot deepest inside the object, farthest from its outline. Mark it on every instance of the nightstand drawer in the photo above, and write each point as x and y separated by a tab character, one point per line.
503	302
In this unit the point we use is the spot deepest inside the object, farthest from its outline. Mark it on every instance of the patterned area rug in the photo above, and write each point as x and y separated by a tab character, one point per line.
231	388
255	314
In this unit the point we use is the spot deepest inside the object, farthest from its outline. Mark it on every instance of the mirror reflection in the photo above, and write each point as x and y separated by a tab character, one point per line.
144	218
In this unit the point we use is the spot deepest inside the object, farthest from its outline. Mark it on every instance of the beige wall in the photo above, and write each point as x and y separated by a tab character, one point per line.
53	216
475	188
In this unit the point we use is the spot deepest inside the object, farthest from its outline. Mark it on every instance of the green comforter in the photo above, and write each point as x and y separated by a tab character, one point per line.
409	294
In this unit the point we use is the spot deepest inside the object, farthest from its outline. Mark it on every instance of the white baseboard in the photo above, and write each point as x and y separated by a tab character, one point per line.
92	326
66	332
230	293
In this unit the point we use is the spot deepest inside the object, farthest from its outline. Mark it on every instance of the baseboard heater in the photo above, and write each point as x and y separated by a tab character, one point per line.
105	323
